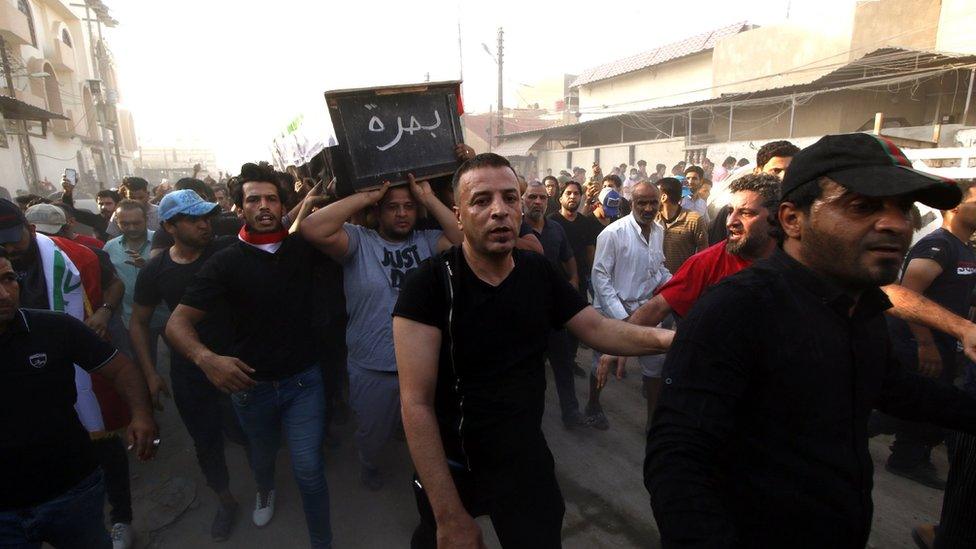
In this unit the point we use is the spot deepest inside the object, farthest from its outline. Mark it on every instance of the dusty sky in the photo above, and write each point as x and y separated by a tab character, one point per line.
232	74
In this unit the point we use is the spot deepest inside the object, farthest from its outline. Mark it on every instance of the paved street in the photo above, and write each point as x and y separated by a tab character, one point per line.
599	472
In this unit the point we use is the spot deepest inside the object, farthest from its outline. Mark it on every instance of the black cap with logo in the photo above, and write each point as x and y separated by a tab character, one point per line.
12	222
870	165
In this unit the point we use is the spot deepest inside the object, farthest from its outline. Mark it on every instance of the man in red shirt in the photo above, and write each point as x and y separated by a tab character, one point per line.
755	197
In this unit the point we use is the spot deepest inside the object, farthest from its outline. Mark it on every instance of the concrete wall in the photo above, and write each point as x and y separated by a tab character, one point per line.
911	24
673	83
779	55
957	22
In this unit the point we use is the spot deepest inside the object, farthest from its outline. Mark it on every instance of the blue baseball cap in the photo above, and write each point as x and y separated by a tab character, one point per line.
185	202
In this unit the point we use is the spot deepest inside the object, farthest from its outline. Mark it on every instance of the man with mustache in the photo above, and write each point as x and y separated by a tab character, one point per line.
556	248
466	329
760	435
628	267
271	365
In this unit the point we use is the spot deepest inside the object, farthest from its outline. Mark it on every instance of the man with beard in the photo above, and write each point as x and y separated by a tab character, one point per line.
552	192
629	265
206	412
581	230
556	248
760	435
467	329
271	366
374	264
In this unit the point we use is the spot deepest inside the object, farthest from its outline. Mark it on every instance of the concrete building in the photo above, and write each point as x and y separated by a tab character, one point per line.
156	163
60	70
727	91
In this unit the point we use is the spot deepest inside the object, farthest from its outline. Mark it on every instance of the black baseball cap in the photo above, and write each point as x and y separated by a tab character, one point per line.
870	165
12	222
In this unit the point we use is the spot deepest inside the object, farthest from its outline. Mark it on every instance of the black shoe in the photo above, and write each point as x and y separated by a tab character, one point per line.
597	420
573	420
923	473
223	523
371	478
578	372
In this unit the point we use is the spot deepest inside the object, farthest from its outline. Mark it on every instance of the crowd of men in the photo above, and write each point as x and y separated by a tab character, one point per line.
775	331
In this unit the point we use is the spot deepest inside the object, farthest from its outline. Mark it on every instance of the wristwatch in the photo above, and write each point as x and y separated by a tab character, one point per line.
107	306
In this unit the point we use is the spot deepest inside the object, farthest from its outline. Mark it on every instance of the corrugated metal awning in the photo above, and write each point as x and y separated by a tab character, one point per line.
517	146
15	109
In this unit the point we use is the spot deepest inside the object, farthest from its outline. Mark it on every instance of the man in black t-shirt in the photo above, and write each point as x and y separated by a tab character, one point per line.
467	330
556	249
53	489
581	231
206	412
942	267
271	365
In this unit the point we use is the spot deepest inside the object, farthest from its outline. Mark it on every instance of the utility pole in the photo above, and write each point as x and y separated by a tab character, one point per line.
27	160
111	170
501	107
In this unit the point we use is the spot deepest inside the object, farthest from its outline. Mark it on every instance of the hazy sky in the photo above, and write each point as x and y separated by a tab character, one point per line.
232	74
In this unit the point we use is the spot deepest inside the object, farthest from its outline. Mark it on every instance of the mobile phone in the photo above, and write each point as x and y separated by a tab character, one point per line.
71	175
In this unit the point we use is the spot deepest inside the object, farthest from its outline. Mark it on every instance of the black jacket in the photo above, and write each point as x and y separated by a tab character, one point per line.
760	439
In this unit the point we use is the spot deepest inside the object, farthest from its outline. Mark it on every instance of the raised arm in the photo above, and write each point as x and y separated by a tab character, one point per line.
417	348
306	207
616	337
323	229
444	216
227	373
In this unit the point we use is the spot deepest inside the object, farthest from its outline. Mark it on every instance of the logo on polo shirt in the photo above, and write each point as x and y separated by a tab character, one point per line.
965	268
38	360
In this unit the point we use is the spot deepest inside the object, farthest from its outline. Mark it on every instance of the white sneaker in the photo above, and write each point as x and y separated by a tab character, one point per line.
122	536
263	510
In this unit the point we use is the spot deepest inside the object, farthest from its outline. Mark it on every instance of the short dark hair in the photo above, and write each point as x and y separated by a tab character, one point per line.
133	183
728	160
251	172
773	149
25	200
641	162
697	169
742	162
548	177
129	204
765	185
659	166
109	193
483	160
196	186
579	187
965	185
806	194
671	187
613	179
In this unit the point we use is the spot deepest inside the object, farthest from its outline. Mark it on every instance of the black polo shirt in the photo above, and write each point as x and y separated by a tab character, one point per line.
270	297
44	449
760	435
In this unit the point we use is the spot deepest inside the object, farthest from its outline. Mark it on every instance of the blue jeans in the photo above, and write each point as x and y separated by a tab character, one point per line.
296	403
73	519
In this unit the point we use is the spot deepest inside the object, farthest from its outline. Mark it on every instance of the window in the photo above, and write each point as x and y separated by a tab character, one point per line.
24	8
65	37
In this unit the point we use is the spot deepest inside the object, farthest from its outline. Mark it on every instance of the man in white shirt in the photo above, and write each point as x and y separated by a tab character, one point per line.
627	267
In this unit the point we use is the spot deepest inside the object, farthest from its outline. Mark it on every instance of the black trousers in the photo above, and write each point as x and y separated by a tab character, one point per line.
524	504
914	440
562	362
957	529
110	452
208	416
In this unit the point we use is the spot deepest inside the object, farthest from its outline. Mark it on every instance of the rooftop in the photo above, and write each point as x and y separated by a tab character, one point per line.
668	52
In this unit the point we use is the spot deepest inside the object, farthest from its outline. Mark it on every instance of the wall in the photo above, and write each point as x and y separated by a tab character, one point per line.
744	62
910	24
680	81
956	23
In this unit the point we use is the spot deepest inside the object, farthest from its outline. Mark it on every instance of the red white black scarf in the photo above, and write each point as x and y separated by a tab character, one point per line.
269	242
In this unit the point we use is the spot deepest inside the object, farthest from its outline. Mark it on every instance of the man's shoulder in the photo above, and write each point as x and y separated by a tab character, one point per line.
43	320
113	242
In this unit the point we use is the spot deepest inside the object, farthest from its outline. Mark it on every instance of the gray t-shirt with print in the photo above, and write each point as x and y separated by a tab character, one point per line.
373	270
